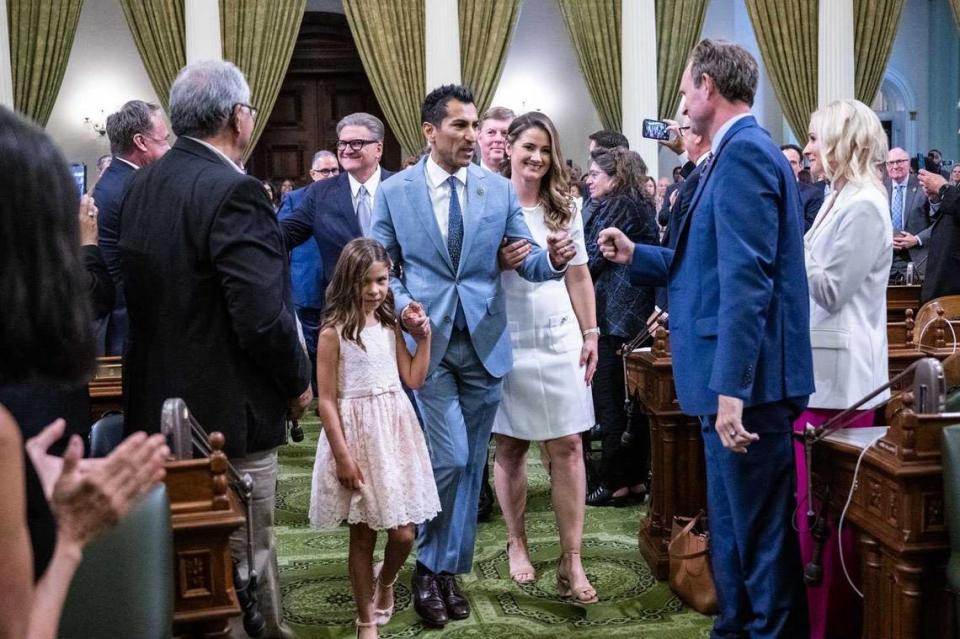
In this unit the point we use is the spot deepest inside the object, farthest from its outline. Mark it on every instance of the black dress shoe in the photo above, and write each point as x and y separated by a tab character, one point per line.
427	600
457	605
601	496
485	503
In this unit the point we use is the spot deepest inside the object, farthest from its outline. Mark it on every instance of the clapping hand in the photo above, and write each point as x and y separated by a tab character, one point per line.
511	254
88	221
932	182
415	321
561	248
87	496
615	246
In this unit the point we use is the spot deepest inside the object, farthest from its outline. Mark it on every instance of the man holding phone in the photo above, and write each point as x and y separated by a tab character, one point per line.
910	214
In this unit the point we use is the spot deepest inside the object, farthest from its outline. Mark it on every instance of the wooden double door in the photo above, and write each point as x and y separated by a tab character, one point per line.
325	82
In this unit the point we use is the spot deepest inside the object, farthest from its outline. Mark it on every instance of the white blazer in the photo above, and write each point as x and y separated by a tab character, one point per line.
848	251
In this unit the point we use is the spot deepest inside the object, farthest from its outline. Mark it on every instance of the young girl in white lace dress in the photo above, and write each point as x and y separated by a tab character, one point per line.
372	468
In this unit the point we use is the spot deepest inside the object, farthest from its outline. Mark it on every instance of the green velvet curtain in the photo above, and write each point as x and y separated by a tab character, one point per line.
485	30
389	37
158	31
41	37
594	27
786	31
679	23
258	37
875	26
956	10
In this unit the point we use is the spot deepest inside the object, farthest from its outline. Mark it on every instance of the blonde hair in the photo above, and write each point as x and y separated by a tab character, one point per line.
853	144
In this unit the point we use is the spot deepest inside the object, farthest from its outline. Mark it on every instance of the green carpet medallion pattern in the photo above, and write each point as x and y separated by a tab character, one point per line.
318	604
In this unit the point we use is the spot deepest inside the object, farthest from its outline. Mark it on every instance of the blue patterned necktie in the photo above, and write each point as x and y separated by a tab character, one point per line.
897	207
364	212
455	243
454	225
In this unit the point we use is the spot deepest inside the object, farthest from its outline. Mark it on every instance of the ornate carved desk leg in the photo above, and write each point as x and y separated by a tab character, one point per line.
908	582
875	620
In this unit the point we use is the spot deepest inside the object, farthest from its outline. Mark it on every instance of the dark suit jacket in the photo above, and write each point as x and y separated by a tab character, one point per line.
326	213
916	220
811	199
108	195
676	216
622	307
663	215
942	276
739	307
208	293
99	283
306	267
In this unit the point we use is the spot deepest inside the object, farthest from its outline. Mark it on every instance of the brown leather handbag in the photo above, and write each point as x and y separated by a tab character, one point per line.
691	578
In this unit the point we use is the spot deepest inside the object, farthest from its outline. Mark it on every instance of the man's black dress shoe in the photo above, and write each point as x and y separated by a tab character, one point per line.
457	605
427	600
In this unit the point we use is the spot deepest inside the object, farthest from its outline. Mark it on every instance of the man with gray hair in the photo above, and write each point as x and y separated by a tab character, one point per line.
138	137
338	210
306	267
208	292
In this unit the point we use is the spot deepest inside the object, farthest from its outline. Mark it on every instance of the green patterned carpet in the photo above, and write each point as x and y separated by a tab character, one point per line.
318	604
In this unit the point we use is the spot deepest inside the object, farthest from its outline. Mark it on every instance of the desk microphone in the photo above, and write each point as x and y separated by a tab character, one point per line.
820	531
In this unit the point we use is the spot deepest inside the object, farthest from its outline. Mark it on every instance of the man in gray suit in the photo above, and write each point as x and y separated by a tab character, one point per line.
910	213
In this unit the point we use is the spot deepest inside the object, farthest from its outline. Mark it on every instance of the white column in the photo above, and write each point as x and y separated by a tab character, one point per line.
442	43
6	70
638	71
835	73
203	41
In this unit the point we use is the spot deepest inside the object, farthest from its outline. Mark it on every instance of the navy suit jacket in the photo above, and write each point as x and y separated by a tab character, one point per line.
811	198
306	267
108	195
326	213
739	308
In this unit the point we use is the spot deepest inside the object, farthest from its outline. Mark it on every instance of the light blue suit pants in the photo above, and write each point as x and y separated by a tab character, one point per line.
458	402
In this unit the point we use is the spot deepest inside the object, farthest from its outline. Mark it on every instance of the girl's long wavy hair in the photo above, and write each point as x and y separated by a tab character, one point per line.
554	186
344	299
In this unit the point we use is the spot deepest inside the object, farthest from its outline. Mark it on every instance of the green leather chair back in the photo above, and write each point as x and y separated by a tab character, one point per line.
950	449
124	585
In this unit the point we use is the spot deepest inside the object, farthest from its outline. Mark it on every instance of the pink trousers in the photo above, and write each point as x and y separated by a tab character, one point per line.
835	610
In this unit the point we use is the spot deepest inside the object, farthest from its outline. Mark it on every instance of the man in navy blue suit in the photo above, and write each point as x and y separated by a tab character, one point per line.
138	137
340	209
811	197
306	268
739	322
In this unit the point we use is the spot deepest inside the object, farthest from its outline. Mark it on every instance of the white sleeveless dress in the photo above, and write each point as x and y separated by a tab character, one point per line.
383	436
544	396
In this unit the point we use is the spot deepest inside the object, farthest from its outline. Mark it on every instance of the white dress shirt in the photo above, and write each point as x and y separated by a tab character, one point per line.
440	194
128	162
372	184
222	155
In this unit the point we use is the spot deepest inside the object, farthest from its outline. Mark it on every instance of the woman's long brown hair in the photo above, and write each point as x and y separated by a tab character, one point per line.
344	300
554	185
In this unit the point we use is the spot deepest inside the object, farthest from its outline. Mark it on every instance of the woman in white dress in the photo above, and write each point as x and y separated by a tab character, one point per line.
554	333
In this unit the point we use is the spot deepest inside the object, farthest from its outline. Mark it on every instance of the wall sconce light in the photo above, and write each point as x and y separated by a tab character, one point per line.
98	125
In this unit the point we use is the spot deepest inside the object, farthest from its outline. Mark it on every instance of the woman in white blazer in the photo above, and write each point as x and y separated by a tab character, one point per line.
848	251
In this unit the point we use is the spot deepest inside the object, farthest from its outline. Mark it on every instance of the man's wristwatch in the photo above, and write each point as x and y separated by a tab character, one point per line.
592	331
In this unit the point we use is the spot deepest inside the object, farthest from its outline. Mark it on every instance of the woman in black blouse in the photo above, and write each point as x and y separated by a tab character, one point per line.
615	179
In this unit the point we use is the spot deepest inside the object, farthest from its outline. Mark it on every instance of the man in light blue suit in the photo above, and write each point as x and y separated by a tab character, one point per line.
442	222
739	328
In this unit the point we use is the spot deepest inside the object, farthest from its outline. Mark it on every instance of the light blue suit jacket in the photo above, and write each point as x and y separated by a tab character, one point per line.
404	222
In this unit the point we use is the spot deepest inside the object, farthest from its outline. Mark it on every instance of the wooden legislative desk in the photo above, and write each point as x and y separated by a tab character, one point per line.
899	299
204	512
898	511
678	478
